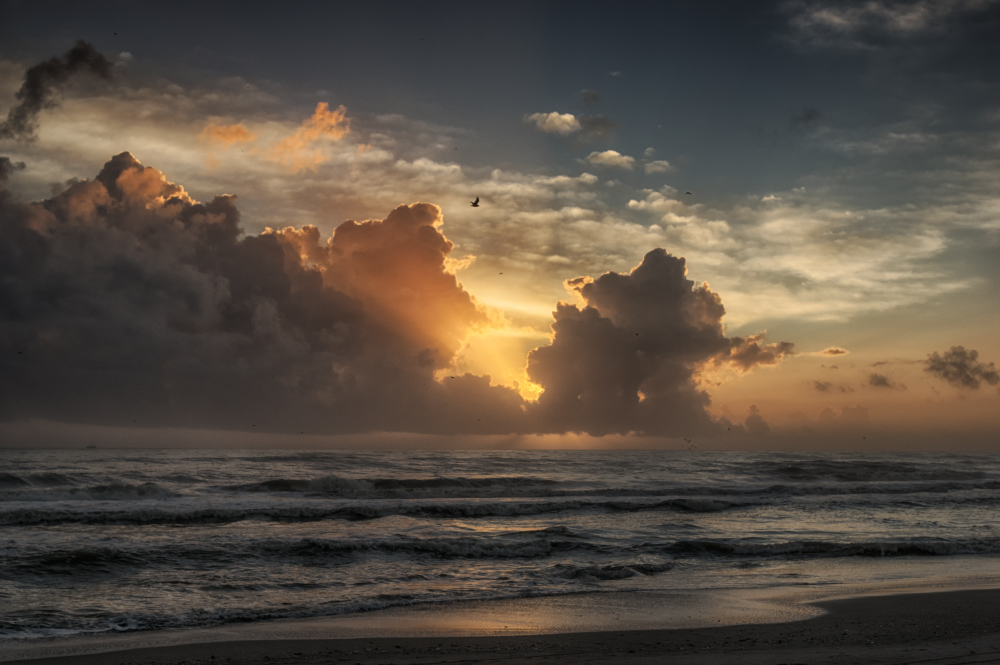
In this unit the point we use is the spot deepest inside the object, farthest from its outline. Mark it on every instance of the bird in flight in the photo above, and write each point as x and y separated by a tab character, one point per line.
475	204
687	192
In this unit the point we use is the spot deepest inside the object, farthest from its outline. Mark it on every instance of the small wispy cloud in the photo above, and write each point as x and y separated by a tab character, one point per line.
659	166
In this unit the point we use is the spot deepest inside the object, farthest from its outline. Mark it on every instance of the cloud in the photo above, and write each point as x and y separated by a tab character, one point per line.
555	123
611	159
303	149
876	380
747	353
590	96
566	124
626	360
962	368
659	166
828	387
43	81
215	136
226	135
833	351
7	167
124	299
868	25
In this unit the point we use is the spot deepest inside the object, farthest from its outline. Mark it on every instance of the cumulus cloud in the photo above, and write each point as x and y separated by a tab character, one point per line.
962	368
124	299
554	122
42	83
566	124
627	359
611	159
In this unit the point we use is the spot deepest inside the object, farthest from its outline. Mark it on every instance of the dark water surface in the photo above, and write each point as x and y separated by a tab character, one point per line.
117	540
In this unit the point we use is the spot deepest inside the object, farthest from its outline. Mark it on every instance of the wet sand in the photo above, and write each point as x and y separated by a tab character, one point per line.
945	628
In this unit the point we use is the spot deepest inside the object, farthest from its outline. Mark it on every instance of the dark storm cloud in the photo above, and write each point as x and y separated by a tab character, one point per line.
43	81
7	167
808	116
627	360
876	380
123	301
962	368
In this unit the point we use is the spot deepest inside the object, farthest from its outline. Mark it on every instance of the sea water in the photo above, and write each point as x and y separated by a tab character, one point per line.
101	540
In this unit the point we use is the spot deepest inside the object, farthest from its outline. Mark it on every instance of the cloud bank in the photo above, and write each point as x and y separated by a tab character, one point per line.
125	301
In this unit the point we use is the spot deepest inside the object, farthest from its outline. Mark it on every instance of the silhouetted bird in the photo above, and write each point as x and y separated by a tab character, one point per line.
475	204
687	192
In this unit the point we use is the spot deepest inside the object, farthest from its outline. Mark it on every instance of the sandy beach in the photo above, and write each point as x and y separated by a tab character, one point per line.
944	628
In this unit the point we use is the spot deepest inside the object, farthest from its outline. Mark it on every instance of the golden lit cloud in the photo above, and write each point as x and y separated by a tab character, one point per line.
215	136
304	149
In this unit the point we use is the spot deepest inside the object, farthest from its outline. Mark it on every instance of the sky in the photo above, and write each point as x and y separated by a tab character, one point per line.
726	225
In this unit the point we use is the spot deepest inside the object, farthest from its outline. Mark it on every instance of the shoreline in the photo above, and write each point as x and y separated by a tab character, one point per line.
948	626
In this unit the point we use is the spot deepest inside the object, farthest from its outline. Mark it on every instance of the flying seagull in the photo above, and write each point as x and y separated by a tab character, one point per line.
475	204
687	192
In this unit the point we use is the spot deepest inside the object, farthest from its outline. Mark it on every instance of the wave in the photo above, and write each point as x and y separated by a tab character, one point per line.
829	549
52	623
113	491
49	479
393	487
610	572
866	470
154	513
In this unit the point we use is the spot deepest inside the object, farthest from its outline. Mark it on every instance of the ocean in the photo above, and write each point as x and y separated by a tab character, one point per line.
113	540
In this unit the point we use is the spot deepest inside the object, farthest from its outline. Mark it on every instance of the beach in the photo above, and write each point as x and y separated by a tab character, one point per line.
945	628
